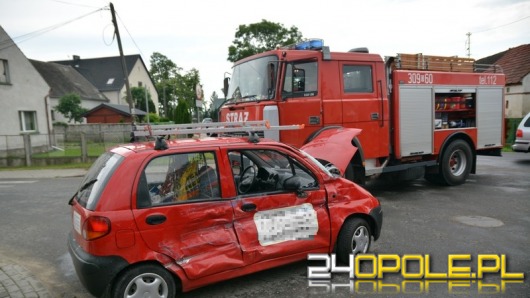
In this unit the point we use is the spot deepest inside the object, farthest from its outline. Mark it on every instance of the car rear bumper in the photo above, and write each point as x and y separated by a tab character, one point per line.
521	146
94	272
377	215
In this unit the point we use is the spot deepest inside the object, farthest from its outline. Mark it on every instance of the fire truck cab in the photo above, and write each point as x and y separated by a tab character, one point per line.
419	115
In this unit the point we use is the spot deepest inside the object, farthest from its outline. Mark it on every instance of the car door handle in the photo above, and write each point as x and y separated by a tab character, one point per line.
155	219
248	207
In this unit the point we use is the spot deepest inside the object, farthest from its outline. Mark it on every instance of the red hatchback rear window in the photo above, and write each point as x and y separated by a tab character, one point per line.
96	179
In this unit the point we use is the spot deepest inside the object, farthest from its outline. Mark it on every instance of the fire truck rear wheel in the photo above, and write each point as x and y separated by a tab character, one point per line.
456	163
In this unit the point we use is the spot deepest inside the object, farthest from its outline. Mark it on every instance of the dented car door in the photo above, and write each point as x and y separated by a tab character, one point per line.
180	213
280	207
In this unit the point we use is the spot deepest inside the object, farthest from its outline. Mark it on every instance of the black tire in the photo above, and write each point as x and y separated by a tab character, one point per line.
144	279
355	237
456	163
433	178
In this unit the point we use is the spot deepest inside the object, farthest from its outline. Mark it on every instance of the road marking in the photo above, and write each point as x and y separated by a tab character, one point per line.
18	182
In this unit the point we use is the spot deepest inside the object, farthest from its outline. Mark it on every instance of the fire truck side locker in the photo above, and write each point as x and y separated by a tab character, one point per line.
415	129
490	111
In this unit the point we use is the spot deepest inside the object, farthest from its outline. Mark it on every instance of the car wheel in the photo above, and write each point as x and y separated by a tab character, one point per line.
145	281
354	237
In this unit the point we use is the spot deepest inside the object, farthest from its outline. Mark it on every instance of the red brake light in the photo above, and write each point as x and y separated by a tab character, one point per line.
519	133
96	227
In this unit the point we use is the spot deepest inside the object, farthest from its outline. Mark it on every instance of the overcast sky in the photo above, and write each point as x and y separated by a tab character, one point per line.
197	33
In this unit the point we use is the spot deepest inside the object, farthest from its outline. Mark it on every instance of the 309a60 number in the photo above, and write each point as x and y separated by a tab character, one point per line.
420	78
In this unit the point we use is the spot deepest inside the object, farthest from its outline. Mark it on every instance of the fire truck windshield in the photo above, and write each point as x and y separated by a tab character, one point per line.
253	80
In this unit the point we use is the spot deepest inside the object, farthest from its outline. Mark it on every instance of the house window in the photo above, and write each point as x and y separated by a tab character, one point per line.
139	84
4	72
110	81
28	121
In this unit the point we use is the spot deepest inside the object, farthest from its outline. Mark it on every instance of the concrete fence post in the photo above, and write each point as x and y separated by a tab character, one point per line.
27	148
84	148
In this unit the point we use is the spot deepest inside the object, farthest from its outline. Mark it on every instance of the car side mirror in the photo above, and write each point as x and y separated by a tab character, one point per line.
293	183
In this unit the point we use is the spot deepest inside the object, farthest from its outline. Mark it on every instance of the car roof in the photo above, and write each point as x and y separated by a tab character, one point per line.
190	143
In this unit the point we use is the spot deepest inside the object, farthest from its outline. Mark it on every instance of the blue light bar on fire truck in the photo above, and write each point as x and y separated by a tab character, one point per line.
308	44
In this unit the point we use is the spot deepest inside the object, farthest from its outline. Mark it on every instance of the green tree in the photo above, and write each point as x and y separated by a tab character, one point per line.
172	84
138	95
162	68
213	111
260	37
182	112
70	106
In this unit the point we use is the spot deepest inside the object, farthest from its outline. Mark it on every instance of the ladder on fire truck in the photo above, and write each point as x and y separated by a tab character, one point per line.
219	128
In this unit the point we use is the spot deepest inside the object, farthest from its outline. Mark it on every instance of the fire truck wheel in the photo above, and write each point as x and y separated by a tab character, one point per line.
355	237
456	163
145	279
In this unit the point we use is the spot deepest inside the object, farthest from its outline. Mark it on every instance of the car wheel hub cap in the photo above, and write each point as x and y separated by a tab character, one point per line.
147	285
360	240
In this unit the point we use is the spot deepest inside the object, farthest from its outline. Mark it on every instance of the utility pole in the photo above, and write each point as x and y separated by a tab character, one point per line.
123	65
468	44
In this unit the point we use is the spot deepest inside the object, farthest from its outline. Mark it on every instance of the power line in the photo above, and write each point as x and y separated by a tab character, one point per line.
468	40
74	4
121	21
19	39
485	30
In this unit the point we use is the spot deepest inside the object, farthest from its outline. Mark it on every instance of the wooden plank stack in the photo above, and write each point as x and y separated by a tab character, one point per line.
434	63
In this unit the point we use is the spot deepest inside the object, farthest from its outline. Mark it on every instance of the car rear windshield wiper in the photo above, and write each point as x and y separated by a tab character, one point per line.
85	186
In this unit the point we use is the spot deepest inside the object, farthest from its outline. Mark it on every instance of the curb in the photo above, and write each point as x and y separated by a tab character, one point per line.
17	281
46	173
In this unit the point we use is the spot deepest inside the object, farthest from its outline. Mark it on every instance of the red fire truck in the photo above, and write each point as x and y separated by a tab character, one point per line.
420	115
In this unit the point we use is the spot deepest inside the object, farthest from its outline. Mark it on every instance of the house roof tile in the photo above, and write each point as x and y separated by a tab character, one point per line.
515	63
105	73
63	80
121	109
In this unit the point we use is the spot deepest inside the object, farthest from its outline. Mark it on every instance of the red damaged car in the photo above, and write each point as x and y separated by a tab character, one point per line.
154	218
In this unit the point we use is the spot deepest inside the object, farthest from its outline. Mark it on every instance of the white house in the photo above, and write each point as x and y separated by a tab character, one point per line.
106	74
23	99
515	63
64	80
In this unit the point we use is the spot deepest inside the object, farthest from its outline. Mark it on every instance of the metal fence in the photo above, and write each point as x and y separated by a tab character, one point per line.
59	148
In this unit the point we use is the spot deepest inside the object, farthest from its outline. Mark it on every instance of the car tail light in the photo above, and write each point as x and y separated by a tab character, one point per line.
96	227
519	133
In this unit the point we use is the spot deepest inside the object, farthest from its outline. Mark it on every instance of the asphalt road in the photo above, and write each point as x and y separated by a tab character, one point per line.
487	215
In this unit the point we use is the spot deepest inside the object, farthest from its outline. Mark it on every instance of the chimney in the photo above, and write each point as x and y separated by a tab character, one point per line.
76	59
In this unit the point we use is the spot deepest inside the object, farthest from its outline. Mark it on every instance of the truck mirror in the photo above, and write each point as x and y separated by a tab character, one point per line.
225	86
270	78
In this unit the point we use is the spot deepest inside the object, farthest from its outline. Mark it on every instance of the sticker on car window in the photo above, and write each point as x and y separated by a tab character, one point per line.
284	224
76	218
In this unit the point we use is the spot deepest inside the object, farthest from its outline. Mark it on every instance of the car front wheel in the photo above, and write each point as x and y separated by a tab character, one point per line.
145	281
354	237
